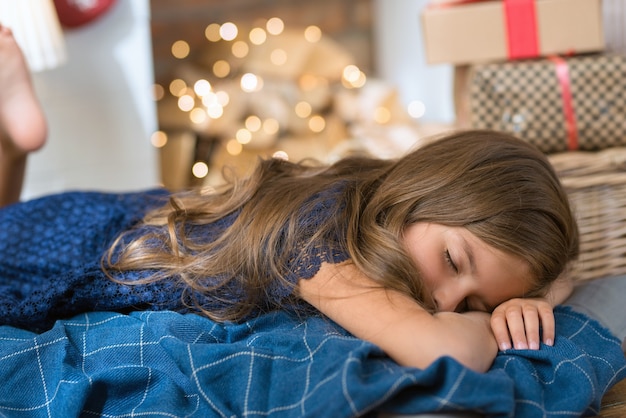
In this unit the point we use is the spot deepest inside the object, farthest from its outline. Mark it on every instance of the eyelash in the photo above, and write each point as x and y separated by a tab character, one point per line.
450	262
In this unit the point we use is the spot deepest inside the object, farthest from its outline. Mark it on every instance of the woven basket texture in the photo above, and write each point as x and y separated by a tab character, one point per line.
596	184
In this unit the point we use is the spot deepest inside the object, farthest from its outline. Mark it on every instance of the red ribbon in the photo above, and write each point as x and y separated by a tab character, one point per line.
562	74
520	17
521	26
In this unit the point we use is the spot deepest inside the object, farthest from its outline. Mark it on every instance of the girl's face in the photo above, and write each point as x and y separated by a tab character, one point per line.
462	272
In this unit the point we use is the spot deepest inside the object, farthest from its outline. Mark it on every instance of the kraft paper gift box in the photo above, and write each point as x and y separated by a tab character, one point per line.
474	31
558	104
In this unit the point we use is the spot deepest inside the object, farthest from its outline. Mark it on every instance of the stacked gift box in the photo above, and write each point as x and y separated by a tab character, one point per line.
540	69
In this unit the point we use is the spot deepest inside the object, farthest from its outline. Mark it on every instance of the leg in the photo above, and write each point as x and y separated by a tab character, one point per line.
23	127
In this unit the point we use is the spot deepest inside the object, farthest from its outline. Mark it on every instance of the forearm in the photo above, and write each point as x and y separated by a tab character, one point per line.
397	324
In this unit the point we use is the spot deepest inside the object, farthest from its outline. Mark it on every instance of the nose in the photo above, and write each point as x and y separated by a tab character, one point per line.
448	298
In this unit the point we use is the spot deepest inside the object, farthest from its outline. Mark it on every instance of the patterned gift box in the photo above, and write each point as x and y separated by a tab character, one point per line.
558	104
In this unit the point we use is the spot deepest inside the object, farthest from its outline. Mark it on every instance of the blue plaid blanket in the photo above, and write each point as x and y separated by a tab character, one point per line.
164	364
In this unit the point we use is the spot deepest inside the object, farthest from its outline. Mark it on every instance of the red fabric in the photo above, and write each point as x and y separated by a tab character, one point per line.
74	13
562	74
521	24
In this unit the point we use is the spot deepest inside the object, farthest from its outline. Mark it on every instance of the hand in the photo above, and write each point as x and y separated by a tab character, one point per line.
515	323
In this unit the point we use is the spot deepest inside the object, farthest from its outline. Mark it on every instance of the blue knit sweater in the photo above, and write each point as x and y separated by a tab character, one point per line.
51	248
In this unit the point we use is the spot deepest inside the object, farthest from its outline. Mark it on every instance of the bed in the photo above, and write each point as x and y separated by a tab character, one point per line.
167	364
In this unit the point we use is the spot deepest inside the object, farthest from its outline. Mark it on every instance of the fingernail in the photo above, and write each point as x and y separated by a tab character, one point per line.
505	346
549	342
521	346
534	345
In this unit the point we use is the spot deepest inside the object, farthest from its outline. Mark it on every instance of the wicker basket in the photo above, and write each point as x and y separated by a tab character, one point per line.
596	183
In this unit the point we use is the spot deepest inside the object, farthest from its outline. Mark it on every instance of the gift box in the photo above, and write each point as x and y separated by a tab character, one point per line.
558	104
474	31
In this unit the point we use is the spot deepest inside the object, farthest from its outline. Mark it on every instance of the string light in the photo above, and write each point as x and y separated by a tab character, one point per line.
271	126
212	32
158	139
278	57
243	136
317	124
180	49
215	111
202	87
253	123
275	26
251	82
233	147
281	155
200	169
313	34
303	109
198	116
416	109
258	36
229	31
240	49
177	87
186	103
221	68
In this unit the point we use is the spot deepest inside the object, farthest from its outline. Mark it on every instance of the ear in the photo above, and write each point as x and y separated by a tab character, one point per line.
74	13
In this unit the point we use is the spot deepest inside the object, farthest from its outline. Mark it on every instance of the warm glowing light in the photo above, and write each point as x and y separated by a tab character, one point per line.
382	115
313	34
180	49
351	73
221	68
303	109
275	26
186	103
251	82
271	126
416	109
200	170
360	82
212	32
215	111
281	155
253	123
222	98
309	82
240	49
278	56
198	116
233	147
158	139
202	87
258	36
229	31
243	136
178	87
353	77
317	123
158	92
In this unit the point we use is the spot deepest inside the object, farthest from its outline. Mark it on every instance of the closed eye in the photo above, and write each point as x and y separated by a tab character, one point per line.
450	262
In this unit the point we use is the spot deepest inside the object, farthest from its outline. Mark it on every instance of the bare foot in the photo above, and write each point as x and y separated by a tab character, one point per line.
23	126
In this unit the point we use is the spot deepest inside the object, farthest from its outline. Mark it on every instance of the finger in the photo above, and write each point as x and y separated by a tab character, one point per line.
515	322
531	326
546	315
500	330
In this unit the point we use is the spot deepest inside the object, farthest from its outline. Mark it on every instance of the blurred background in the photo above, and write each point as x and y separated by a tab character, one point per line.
166	93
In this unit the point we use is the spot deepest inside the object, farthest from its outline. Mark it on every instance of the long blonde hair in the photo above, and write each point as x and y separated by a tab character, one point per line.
500	188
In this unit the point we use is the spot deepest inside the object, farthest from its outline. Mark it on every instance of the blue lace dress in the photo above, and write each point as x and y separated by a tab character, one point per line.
51	248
